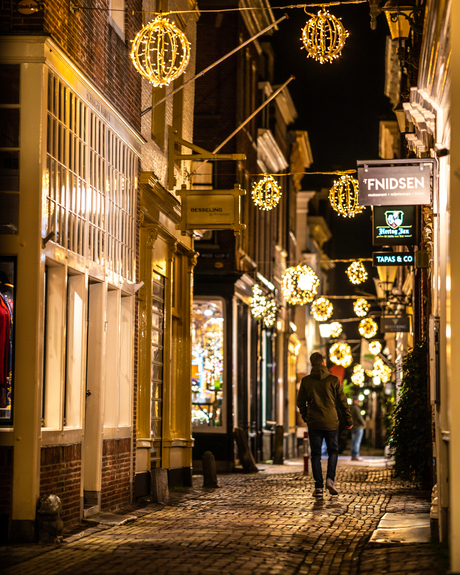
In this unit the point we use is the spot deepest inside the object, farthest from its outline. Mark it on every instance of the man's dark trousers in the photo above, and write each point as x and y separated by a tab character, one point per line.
332	442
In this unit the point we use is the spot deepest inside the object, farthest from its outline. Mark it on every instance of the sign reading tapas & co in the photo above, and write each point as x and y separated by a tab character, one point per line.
396	184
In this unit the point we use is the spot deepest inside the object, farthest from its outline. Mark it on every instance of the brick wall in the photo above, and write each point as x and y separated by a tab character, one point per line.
116	474
60	474
6	479
87	37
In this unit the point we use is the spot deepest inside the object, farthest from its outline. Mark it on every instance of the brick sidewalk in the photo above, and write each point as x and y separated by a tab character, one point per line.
262	524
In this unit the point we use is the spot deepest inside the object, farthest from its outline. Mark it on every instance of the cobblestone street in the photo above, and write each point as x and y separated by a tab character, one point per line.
266	523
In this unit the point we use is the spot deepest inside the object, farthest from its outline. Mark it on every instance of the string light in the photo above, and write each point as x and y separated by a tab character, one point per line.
299	285
375	347
356	272
321	309
324	37
336	328
258	302
266	193
270	313
160	52
382	370
340	354
367	327
358	377
343	197
361	307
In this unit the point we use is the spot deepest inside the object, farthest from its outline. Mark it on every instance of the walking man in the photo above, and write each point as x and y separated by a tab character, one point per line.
358	429
320	395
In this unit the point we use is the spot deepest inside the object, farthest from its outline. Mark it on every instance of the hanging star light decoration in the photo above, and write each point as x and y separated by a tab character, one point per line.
358	377
340	354
361	307
356	272
258	302
324	37
322	309
336	328
343	197
299	285
375	347
160	52
367	327
266	193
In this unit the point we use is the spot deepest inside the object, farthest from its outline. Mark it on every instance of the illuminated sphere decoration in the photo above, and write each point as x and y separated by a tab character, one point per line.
299	285
382	370
375	347
367	327
258	302
160	52
358	376
343	196
340	354
361	307
321	309
336	328
356	272
270	313
324	37
266	194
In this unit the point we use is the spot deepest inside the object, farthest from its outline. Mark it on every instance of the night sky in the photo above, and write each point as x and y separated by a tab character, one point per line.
340	104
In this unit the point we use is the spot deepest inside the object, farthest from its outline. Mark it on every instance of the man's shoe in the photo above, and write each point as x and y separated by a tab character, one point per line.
318	492
330	486
356	458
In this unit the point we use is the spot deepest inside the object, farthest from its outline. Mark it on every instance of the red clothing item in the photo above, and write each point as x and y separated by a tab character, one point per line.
5	330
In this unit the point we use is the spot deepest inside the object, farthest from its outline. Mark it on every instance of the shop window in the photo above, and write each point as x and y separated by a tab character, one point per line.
156	374
208	365
119	360
7	310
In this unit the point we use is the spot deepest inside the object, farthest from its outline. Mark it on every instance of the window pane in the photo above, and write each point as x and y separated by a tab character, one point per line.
9	81
9	127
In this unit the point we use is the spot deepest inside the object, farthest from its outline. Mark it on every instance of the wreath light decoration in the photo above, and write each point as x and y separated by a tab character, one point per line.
340	354
160	52
322	309
361	307
324	37
336	328
266	193
299	285
343	196
367	327
375	347
356	272
358	376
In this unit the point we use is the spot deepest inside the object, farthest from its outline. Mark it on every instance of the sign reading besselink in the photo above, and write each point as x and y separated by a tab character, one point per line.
393	258
394	185
395	226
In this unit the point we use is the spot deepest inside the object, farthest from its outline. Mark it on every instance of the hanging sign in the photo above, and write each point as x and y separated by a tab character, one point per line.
395	185
395	324
211	209
393	258
395	225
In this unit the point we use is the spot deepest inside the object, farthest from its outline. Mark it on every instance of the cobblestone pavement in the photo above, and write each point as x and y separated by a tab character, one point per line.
262	524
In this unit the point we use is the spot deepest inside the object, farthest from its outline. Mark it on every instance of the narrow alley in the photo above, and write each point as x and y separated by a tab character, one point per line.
258	524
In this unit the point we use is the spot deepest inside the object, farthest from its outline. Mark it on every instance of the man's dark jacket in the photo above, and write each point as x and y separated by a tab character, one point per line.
320	396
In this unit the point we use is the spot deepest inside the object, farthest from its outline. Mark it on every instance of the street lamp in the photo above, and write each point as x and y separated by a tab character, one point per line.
400	16
384	285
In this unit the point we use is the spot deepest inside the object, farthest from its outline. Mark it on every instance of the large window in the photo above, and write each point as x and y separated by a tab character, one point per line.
156	373
208	366
7	297
90	183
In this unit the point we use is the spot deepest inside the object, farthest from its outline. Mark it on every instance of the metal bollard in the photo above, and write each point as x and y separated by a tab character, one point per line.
306	452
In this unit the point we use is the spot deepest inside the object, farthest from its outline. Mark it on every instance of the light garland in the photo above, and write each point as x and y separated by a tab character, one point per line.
266	193
270	314
343	197
258	302
321	309
382	370
367	327
375	347
336	328
340	354
358	376
299	285
160	52
356	272
361	307
324	37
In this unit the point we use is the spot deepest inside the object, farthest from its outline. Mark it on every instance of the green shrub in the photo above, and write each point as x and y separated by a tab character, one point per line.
410	436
